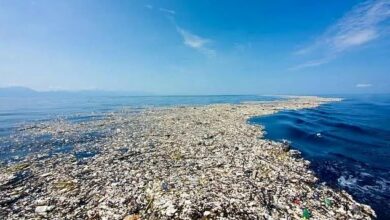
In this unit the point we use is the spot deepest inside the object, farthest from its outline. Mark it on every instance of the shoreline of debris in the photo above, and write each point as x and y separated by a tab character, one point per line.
170	163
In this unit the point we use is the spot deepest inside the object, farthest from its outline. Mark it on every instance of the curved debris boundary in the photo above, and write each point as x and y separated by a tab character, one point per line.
203	162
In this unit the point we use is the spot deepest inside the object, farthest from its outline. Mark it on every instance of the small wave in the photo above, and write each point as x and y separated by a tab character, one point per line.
296	131
348	144
347	181
359	186
351	127
345	157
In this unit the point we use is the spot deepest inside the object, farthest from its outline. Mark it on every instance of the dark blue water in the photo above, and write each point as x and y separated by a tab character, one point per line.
348	144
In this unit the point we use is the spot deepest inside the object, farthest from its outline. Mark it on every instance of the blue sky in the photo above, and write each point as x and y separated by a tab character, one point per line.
197	47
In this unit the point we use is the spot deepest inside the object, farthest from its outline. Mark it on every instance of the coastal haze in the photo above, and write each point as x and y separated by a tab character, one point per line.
194	110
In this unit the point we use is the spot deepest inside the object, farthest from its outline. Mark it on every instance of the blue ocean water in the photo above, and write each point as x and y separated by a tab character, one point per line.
347	142
15	111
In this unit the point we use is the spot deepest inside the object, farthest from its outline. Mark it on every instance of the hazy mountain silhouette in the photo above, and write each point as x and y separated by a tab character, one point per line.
19	91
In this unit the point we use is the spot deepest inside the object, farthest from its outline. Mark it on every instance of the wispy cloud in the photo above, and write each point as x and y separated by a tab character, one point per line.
196	42
189	39
311	63
363	24
363	85
172	12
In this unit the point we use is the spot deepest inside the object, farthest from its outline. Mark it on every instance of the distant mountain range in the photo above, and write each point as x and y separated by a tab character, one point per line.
18	91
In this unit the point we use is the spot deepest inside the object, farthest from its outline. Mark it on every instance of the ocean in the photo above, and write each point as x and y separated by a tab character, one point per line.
19	111
347	143
16	111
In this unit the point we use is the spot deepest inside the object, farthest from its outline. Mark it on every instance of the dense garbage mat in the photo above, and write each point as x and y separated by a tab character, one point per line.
168	163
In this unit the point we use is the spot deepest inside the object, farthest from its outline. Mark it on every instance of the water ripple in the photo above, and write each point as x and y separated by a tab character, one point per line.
347	142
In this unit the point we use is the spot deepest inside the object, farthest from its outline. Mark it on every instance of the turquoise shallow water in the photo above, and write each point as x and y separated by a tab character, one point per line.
348	144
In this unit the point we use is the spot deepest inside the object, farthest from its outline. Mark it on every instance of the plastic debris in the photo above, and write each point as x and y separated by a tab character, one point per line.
306	214
328	202
296	201
132	217
164	163
165	186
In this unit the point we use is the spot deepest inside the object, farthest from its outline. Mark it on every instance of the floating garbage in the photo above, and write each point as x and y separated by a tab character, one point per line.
84	154
306	214
328	202
133	217
166	163
164	186
296	201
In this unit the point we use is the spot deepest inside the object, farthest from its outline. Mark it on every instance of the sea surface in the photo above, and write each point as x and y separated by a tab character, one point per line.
347	143
16	111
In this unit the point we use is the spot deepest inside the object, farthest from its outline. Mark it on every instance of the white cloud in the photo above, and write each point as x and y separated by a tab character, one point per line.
196	42
363	85
355	39
363	24
191	40
172	12
311	63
